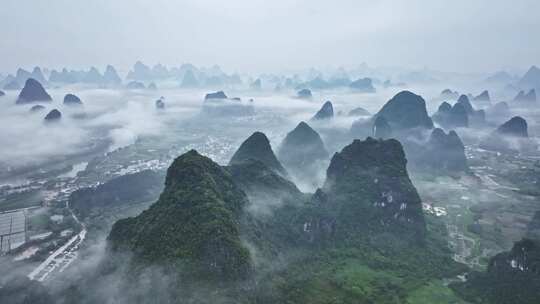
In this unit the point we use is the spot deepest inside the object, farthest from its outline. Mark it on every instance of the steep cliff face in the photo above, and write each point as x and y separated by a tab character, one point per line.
368	191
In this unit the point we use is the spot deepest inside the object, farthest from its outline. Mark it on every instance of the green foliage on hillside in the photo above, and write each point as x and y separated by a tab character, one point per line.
372	272
21	290
257	147
406	110
369	182
130	188
511	277
362	238
194	224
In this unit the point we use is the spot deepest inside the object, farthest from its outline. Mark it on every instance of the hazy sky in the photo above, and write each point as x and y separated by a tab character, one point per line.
271	35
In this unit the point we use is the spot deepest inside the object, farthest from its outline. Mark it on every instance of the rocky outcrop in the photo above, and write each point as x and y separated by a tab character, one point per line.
474	117
64	76
304	94
368	213
217	105
530	96
464	101
531	79
511	277
315	83
523	98
140	71
267	191
303	153
37	74
444	152
448	94
194	225
23	75
511	138
160	104
456	116
442	113
33	91
111	76
444	108
189	80
72	100
159	71
515	127
53	115
302	147
257	147
359	112
483	97
368	185
442	116
499	110
405	113
406	110
364	85
37	108
215	95
326	112
93	76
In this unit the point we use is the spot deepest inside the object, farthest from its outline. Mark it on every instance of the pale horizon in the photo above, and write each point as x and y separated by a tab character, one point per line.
261	37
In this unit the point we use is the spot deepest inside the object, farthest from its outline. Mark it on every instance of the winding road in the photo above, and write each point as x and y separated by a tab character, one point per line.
61	258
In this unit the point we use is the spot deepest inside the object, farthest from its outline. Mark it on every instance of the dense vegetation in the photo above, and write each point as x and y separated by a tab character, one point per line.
362	238
194	225
406	110
511	277
257	147
130	188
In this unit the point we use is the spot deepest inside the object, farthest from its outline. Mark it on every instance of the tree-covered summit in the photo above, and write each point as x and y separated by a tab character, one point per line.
257	147
194	225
